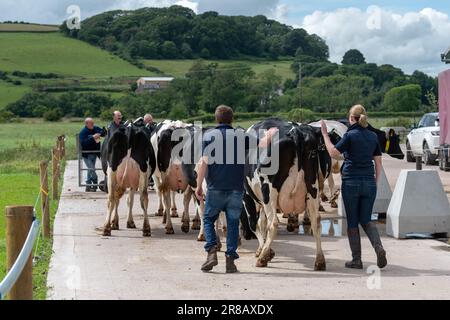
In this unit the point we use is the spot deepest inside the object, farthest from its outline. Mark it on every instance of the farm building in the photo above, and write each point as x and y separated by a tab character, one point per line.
149	84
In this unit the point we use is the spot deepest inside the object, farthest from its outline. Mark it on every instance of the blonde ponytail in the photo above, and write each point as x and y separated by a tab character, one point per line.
359	113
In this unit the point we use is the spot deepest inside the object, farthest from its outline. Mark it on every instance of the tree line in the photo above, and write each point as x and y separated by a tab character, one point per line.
177	32
326	88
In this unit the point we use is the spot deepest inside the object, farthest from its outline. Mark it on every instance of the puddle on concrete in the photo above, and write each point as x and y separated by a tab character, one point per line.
330	228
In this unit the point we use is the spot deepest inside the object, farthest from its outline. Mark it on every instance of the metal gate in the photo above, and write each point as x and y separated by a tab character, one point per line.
81	165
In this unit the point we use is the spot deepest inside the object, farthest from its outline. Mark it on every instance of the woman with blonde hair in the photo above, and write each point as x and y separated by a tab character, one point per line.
361	150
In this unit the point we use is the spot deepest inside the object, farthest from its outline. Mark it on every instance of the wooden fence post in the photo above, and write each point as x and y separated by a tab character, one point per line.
44	200
18	224
63	147
55	175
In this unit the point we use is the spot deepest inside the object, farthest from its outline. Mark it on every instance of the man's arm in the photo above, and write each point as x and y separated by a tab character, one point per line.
201	174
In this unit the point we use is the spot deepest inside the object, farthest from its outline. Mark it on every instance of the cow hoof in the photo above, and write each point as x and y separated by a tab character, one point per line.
324	198
334	205
160	213
195	225
185	228
146	233
107	232
170	231
115	226
131	225
201	238
174	215
320	266
261	263
290	228
285	215
321	208
271	255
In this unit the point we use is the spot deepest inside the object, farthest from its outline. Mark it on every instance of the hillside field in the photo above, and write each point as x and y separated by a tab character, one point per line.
10	93
53	52
179	68
27	27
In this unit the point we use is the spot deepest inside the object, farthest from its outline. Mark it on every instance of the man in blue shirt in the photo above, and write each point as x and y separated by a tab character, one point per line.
90	147
225	180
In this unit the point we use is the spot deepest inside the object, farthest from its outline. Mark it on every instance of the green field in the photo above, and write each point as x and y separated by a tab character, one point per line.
52	52
22	147
24	27
10	93
178	68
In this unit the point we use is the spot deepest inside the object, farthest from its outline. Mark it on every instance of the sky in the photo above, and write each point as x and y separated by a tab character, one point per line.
406	33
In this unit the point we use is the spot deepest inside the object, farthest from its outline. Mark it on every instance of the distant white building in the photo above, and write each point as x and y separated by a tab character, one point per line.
150	84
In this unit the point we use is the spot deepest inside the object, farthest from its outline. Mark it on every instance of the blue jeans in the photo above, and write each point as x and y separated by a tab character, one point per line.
231	203
89	161
359	196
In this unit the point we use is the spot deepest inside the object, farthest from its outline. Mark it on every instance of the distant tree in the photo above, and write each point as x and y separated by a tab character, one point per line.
148	50
353	56
169	50
186	51
404	98
205	54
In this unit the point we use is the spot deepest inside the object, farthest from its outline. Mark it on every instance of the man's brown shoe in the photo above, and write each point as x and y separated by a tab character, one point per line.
211	260
230	266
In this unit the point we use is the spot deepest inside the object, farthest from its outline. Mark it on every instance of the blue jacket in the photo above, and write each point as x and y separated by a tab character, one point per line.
87	140
359	146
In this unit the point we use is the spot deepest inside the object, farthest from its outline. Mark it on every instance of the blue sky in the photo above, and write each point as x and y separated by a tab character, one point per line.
408	34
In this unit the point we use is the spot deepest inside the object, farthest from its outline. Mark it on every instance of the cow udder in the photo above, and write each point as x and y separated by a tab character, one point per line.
128	173
289	199
175	179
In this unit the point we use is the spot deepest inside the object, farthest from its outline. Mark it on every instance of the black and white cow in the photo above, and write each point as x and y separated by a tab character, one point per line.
128	160
172	174
292	189
389	143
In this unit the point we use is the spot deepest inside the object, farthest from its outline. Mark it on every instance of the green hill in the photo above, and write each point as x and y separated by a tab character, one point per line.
53	52
10	93
178	68
27	27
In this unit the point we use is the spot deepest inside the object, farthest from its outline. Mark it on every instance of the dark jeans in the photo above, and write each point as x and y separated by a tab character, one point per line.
231	203
359	196
90	160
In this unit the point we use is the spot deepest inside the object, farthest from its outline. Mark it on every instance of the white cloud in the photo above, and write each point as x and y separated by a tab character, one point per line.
280	13
188	4
413	40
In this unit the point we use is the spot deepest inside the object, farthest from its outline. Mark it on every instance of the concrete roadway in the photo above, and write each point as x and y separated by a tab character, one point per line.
86	265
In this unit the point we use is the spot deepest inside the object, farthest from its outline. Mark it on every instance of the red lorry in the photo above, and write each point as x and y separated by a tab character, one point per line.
444	115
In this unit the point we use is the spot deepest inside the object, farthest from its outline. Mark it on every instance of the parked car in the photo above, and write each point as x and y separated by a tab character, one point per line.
424	140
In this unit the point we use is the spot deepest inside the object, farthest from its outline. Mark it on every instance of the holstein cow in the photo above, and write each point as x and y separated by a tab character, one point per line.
172	174
390	144
337	131
127	161
293	188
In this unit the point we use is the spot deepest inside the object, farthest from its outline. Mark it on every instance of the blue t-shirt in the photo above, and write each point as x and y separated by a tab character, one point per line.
359	145
224	175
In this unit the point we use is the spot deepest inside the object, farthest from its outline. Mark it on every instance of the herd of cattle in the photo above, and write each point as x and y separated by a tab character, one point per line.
132	154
